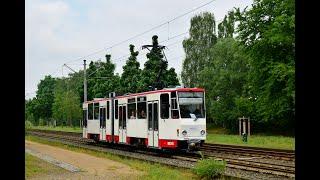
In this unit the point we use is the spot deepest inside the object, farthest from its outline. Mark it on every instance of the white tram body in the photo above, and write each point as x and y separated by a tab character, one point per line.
165	119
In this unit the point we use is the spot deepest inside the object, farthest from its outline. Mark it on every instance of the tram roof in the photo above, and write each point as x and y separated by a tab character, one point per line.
150	92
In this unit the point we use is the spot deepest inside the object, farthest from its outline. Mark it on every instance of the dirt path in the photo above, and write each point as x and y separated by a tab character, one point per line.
92	167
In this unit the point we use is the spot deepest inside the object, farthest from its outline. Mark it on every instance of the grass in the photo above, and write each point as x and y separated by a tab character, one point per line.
150	170
220	136
58	128
209	168
35	167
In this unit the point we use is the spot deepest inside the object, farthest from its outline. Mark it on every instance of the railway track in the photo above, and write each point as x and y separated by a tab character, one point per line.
73	134
284	170
188	160
288	155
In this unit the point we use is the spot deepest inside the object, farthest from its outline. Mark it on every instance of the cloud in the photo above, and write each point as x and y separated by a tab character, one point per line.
58	31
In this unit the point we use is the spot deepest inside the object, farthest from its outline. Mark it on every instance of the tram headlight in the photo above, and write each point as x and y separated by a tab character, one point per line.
184	132
203	132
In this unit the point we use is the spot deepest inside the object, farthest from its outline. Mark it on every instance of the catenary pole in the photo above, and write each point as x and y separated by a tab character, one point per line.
84	81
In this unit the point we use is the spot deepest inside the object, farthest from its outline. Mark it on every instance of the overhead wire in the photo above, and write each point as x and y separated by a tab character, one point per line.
173	37
140	34
141	49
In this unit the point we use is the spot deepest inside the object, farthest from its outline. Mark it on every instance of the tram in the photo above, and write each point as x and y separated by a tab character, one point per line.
170	118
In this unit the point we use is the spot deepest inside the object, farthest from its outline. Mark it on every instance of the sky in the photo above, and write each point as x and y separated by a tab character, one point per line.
66	32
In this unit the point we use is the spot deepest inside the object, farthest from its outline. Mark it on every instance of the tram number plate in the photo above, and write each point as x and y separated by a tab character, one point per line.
170	143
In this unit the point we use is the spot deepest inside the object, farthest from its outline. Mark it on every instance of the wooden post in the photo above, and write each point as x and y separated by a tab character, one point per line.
244	126
240	126
249	126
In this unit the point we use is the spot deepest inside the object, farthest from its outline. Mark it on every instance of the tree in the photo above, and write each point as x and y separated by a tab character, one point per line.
101	78
45	97
202	37
131	77
227	27
76	83
66	109
268	32
58	110
152	68
224	80
31	113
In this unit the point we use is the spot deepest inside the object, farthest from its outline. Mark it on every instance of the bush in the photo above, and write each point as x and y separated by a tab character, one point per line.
27	124
209	168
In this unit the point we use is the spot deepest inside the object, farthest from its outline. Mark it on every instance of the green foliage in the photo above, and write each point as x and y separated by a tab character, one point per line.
209	168
224	79
197	47
59	128
45	96
222	136
28	125
35	167
131	80
227	27
66	107
75	83
268	32
40	106
252	75
31	113
101	78
42	122
153	65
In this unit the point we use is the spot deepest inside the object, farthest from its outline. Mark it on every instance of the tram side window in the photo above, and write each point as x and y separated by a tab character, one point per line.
142	107
116	109
108	110
132	112
84	118
164	100
96	111
174	106
90	111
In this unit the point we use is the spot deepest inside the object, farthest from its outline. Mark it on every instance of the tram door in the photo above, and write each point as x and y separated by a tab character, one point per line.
153	124
108	120
122	124
102	123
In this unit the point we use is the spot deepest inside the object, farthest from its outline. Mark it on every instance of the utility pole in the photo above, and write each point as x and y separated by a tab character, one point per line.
84	82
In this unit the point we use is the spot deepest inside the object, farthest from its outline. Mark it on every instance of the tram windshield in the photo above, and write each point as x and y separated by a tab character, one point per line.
191	104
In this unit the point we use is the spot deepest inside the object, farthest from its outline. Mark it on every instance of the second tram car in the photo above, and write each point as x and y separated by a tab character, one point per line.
170	118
